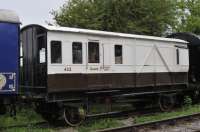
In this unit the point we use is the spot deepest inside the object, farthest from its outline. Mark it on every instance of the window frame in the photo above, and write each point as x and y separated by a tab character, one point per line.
61	55
88	57
40	48
177	56
121	54
75	42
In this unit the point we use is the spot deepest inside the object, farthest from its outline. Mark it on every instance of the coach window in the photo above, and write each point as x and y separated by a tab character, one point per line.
56	52
118	54
41	49
93	52
77	53
177	57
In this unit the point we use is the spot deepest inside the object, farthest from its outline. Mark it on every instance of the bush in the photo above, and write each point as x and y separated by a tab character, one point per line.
187	101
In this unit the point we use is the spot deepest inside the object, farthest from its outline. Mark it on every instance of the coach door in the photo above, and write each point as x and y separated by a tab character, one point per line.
95	64
94	56
34	71
40	67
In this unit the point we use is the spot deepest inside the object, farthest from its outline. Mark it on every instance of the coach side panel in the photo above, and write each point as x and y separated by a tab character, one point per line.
9	58
138	63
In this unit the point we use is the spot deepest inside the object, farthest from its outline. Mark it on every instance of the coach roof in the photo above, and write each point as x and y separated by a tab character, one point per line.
194	40
8	16
103	33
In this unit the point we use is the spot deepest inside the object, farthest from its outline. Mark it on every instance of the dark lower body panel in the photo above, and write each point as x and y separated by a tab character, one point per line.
109	81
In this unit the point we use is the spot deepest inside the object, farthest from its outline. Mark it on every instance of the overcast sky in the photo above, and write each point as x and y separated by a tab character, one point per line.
32	11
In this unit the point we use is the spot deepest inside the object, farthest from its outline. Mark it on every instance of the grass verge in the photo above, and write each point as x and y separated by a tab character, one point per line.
26	116
29	129
99	124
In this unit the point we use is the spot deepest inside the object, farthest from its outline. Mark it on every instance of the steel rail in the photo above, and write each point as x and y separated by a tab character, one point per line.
135	127
142	111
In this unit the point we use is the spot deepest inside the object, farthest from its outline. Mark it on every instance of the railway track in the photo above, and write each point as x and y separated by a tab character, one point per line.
137	127
59	123
133	128
143	111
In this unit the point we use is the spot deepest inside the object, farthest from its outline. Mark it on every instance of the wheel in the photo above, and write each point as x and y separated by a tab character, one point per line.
166	102
74	116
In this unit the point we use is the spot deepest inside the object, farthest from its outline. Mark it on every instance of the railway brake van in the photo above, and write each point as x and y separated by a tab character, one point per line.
9	57
69	68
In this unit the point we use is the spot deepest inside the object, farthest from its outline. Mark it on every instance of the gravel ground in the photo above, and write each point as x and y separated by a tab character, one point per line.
182	126
192	125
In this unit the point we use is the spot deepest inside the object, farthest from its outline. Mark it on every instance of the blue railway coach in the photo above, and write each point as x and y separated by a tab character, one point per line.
9	54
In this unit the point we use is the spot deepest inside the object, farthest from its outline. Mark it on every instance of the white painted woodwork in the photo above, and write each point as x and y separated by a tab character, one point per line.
141	54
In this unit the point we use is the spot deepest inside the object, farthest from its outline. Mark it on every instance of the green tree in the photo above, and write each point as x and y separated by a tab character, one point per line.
190	17
150	17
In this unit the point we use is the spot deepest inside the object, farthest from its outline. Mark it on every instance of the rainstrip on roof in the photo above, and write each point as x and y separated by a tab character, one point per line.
104	33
